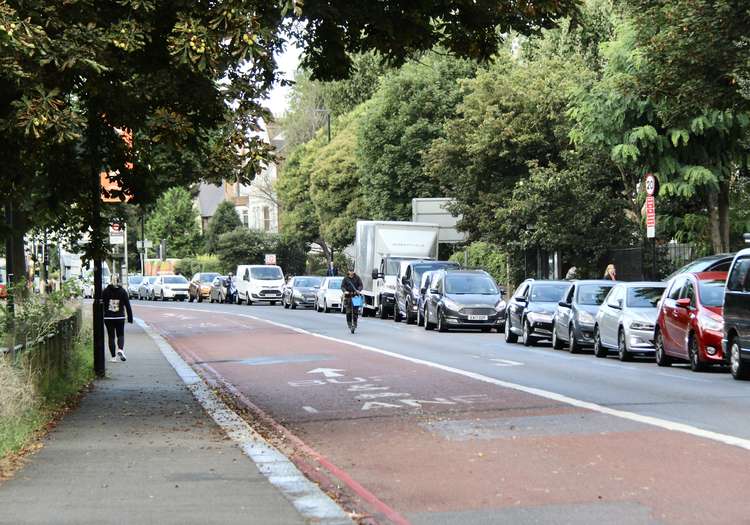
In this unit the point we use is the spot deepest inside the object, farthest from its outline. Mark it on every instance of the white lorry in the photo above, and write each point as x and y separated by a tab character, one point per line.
379	248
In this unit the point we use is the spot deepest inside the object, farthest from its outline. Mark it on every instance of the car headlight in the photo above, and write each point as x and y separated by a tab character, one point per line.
451	305
640	325
297	294
585	317
540	317
710	323
499	307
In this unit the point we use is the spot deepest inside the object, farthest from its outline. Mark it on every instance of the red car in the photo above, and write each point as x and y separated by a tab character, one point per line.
690	324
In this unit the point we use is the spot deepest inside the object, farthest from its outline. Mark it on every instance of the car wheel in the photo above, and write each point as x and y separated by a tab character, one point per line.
528	339
441	327
199	298
410	317
662	359
190	298
325	307
381	310
510	337
293	304
284	303
696	364
573	346
556	343
599	350
396	313
739	368
427	323
162	296
622	347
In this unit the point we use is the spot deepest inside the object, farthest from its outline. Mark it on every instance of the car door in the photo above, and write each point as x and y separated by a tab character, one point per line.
609	321
737	301
564	313
517	306
682	317
670	334
435	294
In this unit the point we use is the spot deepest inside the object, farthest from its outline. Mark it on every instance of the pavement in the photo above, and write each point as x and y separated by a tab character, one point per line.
141	449
462	428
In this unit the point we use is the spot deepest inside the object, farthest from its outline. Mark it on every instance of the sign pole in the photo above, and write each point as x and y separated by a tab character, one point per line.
651	190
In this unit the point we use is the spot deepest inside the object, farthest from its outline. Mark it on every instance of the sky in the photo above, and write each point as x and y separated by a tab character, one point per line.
287	62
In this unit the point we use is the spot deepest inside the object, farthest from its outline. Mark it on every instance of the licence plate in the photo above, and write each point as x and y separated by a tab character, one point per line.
478	318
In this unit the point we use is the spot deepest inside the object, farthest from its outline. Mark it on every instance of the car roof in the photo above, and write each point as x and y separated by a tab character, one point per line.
744	251
595	281
643	284
549	281
452	271
710	276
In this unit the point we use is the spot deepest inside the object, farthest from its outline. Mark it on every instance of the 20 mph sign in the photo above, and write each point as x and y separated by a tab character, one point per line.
650	206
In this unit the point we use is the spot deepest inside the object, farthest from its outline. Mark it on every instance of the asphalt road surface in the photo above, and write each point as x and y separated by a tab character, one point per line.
409	426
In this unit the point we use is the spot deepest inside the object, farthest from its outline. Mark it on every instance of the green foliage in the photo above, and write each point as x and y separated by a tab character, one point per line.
175	219
243	246
189	266
225	219
486	256
404	116
291	254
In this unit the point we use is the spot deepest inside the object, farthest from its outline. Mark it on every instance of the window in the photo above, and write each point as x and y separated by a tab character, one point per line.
266	273
689	293
174	279
676	289
548	293
569	296
644	297
245	217
593	294
246	277
266	218
711	292
738	278
470	284
521	292
615	296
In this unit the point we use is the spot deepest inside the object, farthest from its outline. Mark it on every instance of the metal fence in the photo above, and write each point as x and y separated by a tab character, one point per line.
646	262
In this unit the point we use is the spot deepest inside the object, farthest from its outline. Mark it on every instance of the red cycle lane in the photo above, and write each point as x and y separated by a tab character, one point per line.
411	443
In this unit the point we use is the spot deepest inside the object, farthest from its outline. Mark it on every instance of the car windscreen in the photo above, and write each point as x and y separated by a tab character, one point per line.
307	282
470	284
208	277
644	296
175	279
392	266
134	280
266	273
712	292
419	269
151	280
335	283
593	294
548	293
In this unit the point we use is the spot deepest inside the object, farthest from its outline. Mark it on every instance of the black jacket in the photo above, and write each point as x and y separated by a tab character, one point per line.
116	303
351	284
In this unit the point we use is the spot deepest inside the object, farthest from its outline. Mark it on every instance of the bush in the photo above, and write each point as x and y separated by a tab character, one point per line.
486	256
243	246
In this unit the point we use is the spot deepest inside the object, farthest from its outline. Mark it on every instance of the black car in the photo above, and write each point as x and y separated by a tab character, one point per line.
408	284
712	263
301	291
531	309
463	299
736	340
573	324
219	292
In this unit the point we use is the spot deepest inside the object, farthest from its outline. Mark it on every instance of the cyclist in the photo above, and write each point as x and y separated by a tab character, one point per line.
351	286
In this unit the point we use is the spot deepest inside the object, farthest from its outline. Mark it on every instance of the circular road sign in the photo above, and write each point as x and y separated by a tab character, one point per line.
650	185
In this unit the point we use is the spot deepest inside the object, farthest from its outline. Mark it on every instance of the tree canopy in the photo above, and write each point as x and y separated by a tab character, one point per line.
176	221
224	220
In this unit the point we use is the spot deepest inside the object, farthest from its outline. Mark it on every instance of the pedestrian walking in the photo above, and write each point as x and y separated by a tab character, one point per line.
331	272
572	274
610	274
116	304
351	285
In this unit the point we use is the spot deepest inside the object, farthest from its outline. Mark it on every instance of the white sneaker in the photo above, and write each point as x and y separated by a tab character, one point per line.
113	360
121	355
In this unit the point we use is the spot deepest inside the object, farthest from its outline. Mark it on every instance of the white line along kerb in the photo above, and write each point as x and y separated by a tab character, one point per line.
632	416
309	500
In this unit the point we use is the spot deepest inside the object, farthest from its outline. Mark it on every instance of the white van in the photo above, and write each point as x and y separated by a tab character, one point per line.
258	282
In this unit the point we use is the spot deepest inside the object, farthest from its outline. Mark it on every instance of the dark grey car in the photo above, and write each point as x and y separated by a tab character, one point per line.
531	309
408	284
301	291
463	299
736	340
573	324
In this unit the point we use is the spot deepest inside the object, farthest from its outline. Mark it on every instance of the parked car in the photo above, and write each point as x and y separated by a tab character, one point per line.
257	282
301	291
736	340
626	320
530	311
173	287
408	281
573	324
200	286
463	299
218	291
711	263
146	288
689	325
424	290
329	296
134	281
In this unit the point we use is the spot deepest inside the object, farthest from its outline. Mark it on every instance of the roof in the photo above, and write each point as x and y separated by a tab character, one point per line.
710	276
636	284
209	198
594	281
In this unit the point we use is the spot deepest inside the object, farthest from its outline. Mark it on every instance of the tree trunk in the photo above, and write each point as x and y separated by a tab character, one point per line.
20	227
723	205
714	222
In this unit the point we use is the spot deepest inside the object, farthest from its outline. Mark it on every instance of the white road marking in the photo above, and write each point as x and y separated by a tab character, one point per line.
506	362
310	410
632	416
309	500
685	378
327	372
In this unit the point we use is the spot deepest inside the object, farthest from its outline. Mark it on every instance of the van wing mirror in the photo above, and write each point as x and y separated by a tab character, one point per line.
375	274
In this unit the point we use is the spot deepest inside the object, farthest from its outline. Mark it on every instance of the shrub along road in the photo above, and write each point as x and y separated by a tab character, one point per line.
462	428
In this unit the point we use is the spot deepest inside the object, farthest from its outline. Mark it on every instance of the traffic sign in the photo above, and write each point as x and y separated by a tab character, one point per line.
650	185
270	258
650	217
149	244
116	233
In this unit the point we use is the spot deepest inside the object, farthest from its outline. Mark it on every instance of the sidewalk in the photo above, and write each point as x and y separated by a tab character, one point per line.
141	450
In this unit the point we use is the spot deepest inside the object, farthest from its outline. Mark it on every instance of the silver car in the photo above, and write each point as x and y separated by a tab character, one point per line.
146	288
626	320
329	296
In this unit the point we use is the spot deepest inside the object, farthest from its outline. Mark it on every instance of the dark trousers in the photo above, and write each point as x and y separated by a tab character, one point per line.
115	327
351	312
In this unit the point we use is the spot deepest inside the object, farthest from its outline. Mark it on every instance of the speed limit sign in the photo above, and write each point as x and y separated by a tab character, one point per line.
650	185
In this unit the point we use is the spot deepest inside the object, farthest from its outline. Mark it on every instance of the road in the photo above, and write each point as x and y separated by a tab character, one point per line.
408	426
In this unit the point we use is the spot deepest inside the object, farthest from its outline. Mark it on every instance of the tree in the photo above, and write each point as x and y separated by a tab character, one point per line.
243	246
175	220
224	220
405	115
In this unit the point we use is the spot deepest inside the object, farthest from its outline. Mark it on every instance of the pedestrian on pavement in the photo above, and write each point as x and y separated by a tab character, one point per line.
610	273
331	272
572	274
351	285
116	304
231	290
